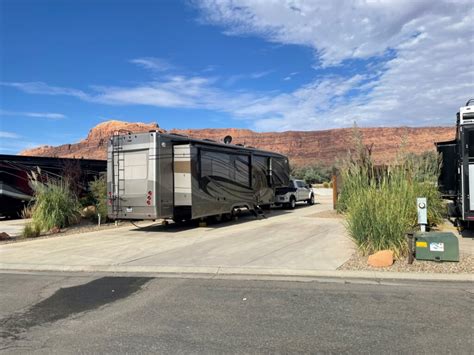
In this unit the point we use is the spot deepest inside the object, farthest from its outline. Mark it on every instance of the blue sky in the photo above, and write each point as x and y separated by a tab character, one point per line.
269	66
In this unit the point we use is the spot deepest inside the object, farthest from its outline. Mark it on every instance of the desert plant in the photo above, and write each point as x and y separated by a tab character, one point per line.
54	204
31	230
98	188
27	212
380	202
326	184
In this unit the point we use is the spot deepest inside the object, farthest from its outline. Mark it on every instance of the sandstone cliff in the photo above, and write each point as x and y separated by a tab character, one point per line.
302	147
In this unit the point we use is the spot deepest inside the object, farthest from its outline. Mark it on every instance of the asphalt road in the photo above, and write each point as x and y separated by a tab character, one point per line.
57	313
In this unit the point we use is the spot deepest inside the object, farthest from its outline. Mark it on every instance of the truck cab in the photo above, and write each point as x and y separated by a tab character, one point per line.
296	191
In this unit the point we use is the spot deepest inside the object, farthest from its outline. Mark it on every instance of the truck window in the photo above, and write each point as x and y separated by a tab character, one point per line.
300	183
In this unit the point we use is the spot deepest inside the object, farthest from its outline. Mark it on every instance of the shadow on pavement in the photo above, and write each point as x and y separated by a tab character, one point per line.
243	217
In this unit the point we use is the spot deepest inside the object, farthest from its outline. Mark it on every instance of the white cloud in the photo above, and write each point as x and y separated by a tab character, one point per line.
153	63
8	135
234	79
45	89
172	91
337	29
47	115
430	73
420	66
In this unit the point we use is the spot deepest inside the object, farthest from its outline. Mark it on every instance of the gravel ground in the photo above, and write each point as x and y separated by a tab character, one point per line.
465	265
84	227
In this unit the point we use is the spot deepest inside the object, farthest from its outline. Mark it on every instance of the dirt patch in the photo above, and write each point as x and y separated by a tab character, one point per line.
465	265
326	214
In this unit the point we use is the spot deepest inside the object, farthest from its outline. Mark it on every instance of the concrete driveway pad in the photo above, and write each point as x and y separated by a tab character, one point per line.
285	240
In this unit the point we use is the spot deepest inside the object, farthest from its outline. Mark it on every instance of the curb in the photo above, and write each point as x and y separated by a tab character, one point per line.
223	272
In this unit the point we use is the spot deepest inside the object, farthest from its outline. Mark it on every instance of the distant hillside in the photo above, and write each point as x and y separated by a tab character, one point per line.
302	147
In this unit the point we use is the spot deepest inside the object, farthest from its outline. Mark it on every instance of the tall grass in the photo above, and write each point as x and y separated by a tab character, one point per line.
380	202
54	204
98	189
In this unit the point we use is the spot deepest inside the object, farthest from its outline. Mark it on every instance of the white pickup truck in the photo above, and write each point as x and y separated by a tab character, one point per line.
297	191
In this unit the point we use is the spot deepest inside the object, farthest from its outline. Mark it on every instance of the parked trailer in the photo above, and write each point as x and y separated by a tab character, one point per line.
169	176
456	180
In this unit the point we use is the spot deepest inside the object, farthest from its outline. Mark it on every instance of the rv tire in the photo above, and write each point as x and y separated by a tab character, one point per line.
292	203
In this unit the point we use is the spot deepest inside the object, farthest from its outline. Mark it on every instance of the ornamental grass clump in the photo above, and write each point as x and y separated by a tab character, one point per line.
98	188
380	202
55	206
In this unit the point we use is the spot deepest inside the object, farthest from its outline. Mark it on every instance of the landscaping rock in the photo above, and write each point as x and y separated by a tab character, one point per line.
4	236
55	230
89	211
381	258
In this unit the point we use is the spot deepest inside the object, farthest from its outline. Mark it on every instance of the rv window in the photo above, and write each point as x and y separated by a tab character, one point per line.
221	165
242	170
260	171
280	172
215	164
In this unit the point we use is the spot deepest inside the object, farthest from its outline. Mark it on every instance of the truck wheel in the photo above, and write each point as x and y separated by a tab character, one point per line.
292	203
311	200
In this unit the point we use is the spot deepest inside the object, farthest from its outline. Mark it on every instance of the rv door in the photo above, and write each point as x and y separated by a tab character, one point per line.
468	168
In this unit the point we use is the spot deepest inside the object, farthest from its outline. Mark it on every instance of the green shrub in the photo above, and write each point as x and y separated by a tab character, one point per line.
380	202
325	184
312	174
54	204
98	189
31	230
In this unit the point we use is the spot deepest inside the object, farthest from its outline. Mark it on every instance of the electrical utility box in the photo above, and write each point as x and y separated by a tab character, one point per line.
436	246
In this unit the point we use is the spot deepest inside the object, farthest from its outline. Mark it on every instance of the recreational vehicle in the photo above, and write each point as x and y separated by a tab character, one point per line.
457	172
169	176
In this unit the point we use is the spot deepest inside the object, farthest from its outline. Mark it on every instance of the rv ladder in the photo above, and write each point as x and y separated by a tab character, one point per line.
118	173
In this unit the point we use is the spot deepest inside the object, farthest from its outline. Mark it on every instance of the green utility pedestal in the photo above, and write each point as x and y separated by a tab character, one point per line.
437	246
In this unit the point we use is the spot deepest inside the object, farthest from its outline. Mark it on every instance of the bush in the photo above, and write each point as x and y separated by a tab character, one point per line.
325	184
98	189
312	174
27	212
31	230
54	204
380	203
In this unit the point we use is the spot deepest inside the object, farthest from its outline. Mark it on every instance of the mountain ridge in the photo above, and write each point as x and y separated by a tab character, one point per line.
302	147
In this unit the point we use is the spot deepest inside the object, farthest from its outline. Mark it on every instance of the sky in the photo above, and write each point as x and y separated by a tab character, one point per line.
66	66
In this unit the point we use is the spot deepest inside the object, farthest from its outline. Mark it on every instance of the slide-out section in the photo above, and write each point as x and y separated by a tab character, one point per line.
182	175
